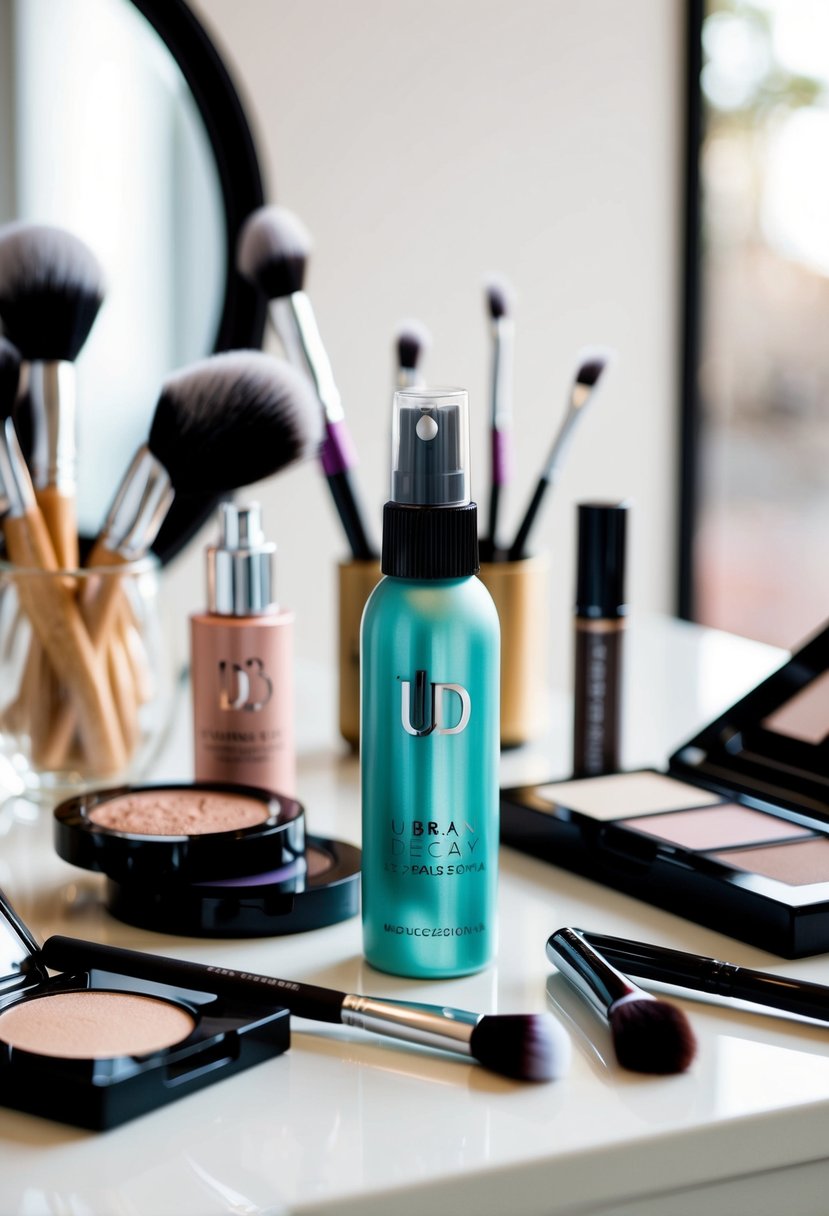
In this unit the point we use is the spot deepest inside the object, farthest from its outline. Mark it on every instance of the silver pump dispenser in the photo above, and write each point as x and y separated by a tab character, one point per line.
240	569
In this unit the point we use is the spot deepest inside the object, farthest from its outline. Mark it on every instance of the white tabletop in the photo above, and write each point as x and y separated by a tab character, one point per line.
344	1123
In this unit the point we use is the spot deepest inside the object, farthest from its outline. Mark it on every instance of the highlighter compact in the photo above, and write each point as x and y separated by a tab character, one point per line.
734	836
95	1048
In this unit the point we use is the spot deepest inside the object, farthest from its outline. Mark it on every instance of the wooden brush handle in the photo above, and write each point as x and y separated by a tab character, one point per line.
99	604
61	518
57	622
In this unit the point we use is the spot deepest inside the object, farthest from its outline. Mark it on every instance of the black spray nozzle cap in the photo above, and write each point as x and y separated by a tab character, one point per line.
430	459
600	581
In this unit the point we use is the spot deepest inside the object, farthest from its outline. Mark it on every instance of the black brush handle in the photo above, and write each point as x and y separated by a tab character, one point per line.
711	976
590	974
348	509
518	549
304	1000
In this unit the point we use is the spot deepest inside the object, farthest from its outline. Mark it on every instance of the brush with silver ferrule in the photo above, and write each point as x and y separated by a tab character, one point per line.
224	422
51	288
273	251
649	1035
526	1047
51	609
592	364
499	300
411	341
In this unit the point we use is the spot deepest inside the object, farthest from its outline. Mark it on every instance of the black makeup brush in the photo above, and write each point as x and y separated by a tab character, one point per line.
531	1047
499	309
412	340
51	288
591	366
221	423
649	1035
272	253
703	977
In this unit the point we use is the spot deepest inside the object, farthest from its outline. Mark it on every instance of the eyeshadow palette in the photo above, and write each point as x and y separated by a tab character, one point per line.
735	835
95	1048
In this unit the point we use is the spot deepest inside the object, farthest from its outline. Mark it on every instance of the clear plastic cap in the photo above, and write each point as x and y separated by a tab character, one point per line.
430	447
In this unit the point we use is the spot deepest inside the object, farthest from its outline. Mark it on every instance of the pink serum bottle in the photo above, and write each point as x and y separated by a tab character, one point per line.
242	663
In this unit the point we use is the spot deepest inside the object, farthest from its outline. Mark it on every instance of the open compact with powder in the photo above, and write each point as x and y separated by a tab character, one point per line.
95	1048
209	860
736	836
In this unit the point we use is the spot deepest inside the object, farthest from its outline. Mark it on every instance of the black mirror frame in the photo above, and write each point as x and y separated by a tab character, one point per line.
243	315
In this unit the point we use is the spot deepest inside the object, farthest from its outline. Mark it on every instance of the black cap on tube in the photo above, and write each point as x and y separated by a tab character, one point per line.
600	582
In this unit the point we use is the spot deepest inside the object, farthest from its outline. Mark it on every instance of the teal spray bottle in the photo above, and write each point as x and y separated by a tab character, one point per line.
430	710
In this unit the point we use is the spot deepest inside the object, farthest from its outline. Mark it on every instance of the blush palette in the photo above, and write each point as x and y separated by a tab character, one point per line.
735	835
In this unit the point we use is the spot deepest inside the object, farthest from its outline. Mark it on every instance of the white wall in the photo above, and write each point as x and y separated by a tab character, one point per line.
427	143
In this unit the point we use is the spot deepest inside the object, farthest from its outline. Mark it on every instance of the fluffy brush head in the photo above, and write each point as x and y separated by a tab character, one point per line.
591	366
273	250
233	419
499	297
51	288
412	340
9	377
528	1047
652	1036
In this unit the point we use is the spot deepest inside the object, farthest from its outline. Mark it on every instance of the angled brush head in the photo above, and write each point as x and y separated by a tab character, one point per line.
9	377
500	298
592	363
652	1036
233	419
528	1047
273	251
412	340
51	288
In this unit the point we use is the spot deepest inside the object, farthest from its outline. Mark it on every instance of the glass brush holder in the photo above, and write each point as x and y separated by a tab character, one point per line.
86	691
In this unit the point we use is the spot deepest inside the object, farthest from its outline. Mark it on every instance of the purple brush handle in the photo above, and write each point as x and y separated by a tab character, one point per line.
501	458
337	454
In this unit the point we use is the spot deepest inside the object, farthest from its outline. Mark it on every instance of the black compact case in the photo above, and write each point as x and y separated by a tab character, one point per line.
763	764
228	1037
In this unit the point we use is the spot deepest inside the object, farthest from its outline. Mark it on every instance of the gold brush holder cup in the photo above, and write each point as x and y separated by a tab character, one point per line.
68	726
357	580
521	592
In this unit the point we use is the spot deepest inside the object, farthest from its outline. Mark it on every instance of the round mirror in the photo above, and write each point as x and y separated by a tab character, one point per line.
119	123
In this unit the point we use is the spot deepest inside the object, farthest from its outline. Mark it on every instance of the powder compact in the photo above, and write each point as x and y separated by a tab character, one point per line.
95	1048
735	836
209	860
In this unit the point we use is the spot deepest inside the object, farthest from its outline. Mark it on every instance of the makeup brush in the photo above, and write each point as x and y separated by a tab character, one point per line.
591	366
499	303
703	977
273	252
649	1035
52	609
412	340
51	288
223	422
527	1047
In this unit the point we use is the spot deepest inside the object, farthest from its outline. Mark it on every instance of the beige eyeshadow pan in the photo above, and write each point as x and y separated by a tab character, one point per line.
796	864
178	812
92	1025
620	795
716	827
805	716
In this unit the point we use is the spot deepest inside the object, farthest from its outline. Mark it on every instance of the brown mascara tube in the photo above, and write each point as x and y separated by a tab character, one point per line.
600	630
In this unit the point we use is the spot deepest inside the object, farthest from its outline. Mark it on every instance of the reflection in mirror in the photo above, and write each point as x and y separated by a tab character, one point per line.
763	369
100	134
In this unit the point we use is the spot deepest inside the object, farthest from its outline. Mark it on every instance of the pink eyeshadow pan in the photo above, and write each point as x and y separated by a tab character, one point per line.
716	827
796	864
